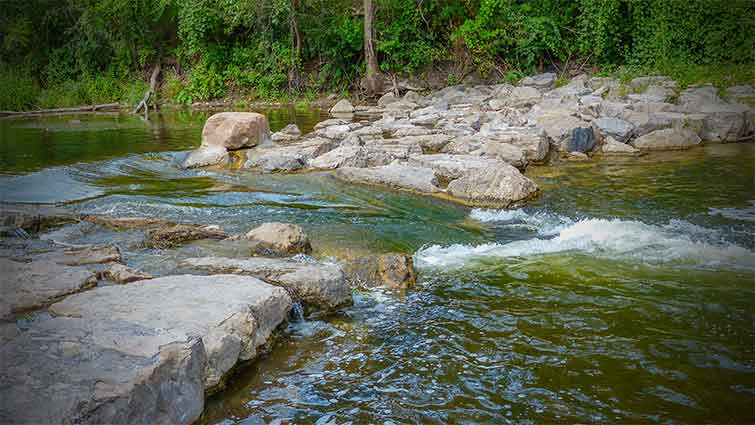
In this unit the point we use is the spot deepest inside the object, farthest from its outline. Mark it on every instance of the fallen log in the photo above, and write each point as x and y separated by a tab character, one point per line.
86	108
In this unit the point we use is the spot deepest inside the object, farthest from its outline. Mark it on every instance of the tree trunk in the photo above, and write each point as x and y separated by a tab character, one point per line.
293	75
152	88
373	80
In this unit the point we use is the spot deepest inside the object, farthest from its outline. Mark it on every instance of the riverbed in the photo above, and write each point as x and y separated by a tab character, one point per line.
623	294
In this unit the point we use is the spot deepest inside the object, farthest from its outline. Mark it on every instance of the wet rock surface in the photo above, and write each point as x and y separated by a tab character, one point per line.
278	239
392	270
168	237
317	284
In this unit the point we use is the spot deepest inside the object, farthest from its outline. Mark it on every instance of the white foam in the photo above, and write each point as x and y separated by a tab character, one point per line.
614	239
545	224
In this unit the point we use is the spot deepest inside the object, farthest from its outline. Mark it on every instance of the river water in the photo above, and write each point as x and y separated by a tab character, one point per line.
625	293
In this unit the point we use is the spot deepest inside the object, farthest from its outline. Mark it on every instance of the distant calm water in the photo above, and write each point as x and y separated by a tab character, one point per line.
624	294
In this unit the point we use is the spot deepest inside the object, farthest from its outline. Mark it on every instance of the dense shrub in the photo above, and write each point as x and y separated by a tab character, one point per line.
68	51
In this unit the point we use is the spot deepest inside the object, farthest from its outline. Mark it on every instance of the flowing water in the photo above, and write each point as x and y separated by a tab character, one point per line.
624	294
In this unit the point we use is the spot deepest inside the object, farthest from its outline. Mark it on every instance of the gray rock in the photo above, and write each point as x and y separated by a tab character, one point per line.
395	176
169	237
387	99
84	371
506	152
83	256
289	133
657	80
645	123
342	107
362	156
614	127
414	97
206	156
233	315
560	128
533	141
291	157
279	239
667	139
235	130
118	273
317	284
522	97
330	122
33	285
451	167
546	81
500	187
613	147
429	143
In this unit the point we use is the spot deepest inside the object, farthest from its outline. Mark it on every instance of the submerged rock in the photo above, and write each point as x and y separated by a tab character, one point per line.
29	286
279	239
317	284
84	256
32	218
127	223
169	237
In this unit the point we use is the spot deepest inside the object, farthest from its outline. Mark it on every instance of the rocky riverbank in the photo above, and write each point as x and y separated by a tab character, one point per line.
471	144
89	339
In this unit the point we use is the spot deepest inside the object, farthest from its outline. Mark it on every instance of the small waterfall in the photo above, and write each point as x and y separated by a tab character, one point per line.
297	312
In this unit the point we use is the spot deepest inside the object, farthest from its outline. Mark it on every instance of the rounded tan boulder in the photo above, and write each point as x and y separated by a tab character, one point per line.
235	130
279	239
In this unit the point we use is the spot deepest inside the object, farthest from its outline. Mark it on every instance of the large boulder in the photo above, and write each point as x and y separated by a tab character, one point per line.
316	284
667	139
233	315
279	239
84	371
373	155
235	130
32	285
343	107
500	187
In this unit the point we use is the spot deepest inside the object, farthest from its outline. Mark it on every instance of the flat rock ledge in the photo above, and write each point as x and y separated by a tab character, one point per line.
319	285
477	182
137	353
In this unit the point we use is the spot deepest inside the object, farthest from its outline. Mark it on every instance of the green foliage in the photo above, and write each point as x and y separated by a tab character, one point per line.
82	51
18	90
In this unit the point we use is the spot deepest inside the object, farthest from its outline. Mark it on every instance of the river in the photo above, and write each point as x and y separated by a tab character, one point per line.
625	293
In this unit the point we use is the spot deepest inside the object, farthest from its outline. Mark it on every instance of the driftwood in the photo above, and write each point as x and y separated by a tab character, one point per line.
152	87
87	108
